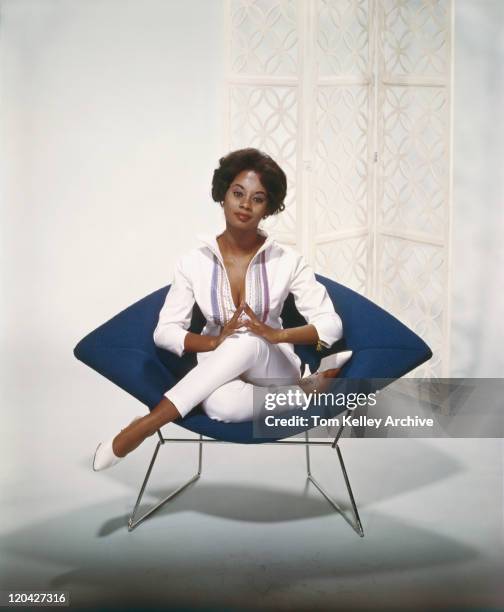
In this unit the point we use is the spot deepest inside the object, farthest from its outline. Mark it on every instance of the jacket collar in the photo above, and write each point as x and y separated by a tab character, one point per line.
210	240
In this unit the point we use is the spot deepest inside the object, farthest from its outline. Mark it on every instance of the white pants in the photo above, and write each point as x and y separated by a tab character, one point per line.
225	378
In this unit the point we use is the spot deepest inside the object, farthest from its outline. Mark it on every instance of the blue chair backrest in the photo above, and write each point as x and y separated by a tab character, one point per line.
387	346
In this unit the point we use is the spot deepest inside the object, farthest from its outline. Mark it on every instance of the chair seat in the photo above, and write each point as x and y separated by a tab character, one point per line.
122	350
198	422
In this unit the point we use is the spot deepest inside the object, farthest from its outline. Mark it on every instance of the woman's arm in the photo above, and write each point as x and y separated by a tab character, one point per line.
314	304
197	343
175	315
304	334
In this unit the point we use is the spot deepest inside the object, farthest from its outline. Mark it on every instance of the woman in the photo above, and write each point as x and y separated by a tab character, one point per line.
240	280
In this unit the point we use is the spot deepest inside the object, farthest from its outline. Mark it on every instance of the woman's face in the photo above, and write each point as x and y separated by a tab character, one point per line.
245	202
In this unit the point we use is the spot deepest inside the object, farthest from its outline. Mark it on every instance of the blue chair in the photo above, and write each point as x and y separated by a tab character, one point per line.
123	350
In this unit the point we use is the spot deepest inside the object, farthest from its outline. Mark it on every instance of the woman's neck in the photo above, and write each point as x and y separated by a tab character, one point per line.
240	242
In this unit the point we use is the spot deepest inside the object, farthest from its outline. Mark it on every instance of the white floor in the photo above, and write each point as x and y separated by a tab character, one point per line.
250	533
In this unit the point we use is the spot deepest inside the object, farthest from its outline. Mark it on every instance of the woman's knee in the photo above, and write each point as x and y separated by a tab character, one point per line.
229	404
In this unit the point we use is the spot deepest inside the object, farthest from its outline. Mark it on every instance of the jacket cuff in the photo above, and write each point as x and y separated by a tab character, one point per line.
329	329
171	338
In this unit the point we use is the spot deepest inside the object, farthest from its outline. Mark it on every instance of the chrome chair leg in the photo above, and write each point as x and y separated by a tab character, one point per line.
307	446
358	527
132	523
349	489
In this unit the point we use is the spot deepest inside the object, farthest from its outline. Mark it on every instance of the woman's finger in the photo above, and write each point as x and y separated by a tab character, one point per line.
235	323
253	327
250	312
237	312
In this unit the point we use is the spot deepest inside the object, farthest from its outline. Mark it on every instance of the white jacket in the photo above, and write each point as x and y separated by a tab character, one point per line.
273	273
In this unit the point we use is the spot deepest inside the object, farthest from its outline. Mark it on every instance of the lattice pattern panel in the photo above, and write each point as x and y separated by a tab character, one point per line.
264	37
265	117
321	85
341	189
342	37
411	285
414	160
415	37
345	260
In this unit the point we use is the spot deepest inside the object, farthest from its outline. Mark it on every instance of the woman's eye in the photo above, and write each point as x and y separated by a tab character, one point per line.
239	194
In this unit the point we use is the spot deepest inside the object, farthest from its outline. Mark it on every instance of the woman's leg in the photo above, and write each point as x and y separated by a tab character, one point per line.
232	402
235	355
242	398
246	355
133	435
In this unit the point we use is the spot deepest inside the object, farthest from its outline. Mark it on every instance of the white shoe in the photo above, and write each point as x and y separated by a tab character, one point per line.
336	360
104	456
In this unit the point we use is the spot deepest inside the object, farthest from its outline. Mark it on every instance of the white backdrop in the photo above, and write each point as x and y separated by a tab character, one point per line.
110	131
478	194
111	127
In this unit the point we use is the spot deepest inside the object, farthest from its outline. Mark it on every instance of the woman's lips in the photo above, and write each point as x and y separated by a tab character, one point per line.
243	217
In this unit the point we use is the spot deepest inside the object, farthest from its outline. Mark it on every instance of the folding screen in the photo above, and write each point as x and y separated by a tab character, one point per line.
353	99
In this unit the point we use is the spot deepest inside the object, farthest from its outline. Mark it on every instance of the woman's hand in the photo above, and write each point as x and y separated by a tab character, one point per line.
231	326
258	327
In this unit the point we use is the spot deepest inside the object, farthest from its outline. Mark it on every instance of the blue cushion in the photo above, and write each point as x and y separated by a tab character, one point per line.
123	350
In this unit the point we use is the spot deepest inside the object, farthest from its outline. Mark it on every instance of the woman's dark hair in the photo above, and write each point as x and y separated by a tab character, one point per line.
272	176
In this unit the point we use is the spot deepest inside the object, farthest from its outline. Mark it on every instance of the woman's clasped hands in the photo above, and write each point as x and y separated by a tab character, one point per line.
253	324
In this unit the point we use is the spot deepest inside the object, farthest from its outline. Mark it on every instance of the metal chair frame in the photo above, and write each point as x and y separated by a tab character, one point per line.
133	522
